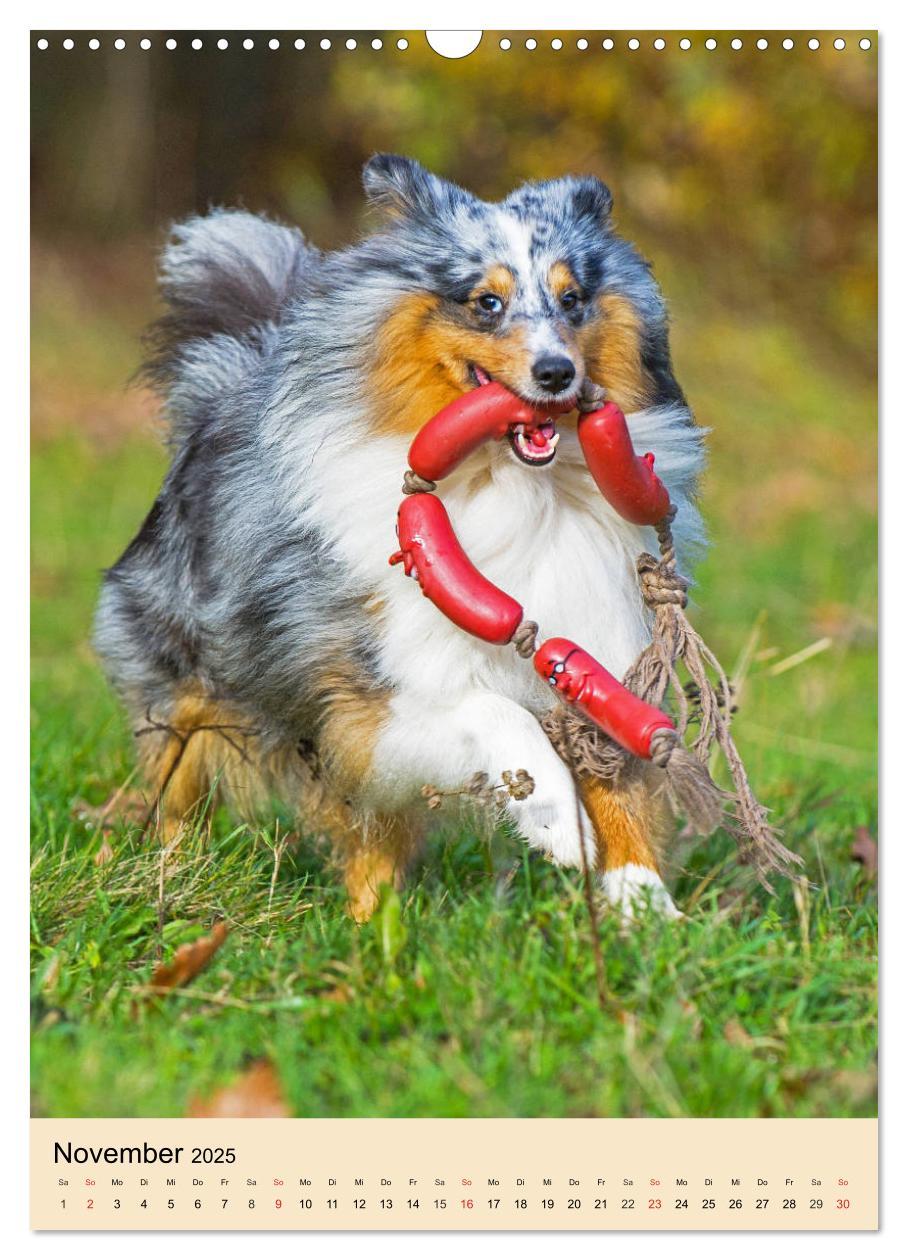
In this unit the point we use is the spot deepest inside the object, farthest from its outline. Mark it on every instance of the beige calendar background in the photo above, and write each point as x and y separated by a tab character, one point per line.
457	1174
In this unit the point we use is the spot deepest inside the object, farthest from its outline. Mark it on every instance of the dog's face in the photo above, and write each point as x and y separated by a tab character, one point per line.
536	292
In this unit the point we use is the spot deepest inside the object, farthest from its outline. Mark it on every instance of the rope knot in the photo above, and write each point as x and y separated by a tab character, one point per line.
591	397
524	638
660	584
662	744
414	484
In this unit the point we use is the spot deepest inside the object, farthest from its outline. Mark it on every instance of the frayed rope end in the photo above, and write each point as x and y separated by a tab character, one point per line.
691	791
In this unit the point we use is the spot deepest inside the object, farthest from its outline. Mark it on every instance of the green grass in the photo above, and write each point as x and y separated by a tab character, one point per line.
473	993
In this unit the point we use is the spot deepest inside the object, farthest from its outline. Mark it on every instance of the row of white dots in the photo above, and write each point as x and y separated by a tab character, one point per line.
737	44
556	44
222	44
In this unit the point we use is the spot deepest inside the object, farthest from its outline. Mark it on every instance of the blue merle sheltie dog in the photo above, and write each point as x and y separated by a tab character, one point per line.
254	627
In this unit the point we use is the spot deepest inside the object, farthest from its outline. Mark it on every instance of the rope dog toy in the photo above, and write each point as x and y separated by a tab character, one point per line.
580	680
431	552
609	724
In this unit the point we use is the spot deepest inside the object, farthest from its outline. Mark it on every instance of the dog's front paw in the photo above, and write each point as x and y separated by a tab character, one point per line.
549	821
635	890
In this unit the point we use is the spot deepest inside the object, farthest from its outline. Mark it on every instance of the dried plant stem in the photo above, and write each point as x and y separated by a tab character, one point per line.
278	850
183	737
159	947
605	1000
215	999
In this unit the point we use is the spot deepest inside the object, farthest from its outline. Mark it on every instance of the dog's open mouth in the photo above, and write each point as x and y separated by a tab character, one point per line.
537	444
538	447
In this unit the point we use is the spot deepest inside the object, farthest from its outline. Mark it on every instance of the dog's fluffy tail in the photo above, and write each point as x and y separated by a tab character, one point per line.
227	278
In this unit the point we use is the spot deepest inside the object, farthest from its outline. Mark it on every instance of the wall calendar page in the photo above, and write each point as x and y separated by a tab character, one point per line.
454	630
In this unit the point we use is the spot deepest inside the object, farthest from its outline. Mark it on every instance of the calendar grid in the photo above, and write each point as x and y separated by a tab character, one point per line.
454	1174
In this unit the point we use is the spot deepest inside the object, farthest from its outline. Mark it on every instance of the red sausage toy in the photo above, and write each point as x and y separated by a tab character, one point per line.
582	681
430	550
626	480
476	417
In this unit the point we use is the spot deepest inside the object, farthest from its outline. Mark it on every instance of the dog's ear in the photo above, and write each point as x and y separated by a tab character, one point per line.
589	199
581	200
402	186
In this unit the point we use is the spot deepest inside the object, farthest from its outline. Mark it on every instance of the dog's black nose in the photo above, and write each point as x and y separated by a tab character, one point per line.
553	372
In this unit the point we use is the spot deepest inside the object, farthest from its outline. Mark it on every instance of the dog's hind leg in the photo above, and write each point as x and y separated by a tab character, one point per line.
199	749
371	846
373	854
630	827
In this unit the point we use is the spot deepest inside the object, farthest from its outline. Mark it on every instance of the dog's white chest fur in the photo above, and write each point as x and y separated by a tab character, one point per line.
546	536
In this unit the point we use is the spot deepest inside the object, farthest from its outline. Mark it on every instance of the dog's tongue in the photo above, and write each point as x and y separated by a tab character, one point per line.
542	435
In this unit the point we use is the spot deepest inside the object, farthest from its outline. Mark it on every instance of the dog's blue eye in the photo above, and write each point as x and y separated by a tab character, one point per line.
569	300
491	303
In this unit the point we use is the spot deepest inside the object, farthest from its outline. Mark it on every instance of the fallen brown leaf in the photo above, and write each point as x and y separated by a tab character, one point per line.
187	962
340	993
864	850
795	1083
256	1093
858	1086
736	1034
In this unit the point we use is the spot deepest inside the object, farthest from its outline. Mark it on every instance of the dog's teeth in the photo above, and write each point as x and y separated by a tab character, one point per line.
527	448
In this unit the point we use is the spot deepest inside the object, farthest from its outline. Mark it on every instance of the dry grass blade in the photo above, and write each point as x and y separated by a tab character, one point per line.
798	658
187	962
606	1002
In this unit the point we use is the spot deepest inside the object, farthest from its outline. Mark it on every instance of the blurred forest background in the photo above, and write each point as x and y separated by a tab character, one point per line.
756	169
748	177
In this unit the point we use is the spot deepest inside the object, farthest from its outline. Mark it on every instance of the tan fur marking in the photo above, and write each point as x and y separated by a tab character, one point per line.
612	345
561	278
353	717
498	280
381	856
629	825
371	850
421	362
